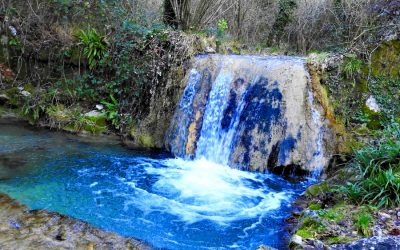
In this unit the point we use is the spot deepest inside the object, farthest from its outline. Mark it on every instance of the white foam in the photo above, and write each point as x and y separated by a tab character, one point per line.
94	184
201	190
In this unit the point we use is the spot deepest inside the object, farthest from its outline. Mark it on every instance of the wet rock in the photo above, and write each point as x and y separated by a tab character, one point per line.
316	244
99	107
264	247
94	113
296	242
377	231
317	189
384	216
276	122
311	214
21	228
372	104
370	243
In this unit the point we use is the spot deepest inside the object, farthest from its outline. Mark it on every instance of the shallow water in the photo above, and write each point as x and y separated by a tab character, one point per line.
170	203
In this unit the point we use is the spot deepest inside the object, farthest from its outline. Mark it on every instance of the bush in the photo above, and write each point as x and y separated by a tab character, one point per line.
112	111
379	169
351	66
95	46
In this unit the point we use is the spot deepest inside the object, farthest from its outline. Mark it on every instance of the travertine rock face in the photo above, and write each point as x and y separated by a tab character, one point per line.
253	113
21	228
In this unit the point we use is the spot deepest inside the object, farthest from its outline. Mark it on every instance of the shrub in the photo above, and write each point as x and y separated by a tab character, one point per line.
95	46
112	111
379	169
351	66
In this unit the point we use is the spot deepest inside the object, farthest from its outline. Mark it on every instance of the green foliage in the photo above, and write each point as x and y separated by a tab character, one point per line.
112	111
310	227
363	222
95	46
331	215
35	105
351	66
379	170
14	42
314	207
284	17
222	26
387	93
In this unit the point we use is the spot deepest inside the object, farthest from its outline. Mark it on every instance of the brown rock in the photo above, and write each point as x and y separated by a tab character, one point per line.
21	228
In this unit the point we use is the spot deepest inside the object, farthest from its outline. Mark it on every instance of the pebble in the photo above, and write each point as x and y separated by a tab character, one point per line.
384	216
377	231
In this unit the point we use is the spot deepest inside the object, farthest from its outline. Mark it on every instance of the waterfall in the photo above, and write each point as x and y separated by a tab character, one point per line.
252	113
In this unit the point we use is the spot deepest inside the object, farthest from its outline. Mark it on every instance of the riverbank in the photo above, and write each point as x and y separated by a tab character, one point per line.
22	228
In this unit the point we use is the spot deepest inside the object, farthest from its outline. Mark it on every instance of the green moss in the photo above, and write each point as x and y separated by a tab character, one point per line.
70	128
317	189
332	214
363	222
374	118
146	141
12	94
305	233
71	120
58	113
95	124
338	240
310	228
29	87
314	206
92	128
385	61
362	85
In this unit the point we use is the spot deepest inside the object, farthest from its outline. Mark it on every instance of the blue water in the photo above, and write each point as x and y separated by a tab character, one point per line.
170	203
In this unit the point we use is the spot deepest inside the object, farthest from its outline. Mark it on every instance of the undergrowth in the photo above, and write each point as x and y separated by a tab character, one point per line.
378	166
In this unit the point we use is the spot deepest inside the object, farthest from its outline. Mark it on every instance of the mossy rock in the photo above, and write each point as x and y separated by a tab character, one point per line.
318	189
385	61
314	207
146	141
96	124
29	87
143	140
58	113
204	44
229	48
338	240
375	118
12	94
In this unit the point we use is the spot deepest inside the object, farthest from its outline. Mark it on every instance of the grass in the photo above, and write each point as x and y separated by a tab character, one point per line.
379	170
363	222
351	66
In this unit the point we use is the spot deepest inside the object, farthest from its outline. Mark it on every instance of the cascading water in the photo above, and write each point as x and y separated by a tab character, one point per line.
237	112
252	113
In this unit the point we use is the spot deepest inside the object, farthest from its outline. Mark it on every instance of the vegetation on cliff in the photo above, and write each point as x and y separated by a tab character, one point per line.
116	66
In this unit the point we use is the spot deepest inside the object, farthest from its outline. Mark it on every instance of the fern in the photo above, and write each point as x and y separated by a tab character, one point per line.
95	46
